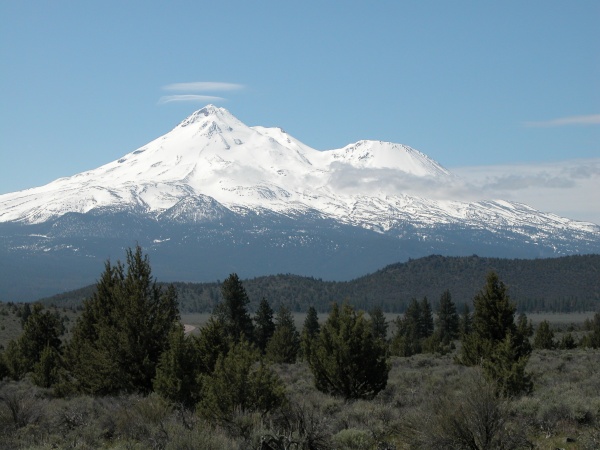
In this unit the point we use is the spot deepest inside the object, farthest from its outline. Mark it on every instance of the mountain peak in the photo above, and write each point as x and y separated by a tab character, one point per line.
202	114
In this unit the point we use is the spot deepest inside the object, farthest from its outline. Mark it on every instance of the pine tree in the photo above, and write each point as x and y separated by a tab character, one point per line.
310	330
232	311
264	326
496	343
379	324
410	330
41	336
178	370
284	345
211	343
346	359
544	336
425	319
592	339
240	382
447	319
42	329
465	323
123	330
46	370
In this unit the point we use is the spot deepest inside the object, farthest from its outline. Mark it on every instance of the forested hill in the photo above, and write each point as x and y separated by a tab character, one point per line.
570	283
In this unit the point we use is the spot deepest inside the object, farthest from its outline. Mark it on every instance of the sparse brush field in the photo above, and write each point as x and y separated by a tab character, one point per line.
427	399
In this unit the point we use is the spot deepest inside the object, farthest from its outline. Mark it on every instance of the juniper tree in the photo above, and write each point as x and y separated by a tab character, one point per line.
240	382
284	345
310	330
123	330
346	359
544	336
412	329
40	340
496	343
232	311
425	319
264	327
178	370
592	339
447	319
379	324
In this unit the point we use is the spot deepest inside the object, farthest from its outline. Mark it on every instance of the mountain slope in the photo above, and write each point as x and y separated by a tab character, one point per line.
256	200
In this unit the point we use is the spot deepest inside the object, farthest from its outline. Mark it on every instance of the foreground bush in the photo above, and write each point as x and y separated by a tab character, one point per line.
346	359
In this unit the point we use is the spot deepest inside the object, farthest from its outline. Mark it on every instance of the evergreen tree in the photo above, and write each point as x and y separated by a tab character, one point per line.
264	326
567	342
496	343
178	369
212	342
544	336
310	330
46	370
465	324
347	360
592	339
406	340
284	346
240	381
42	329
232	311
40	338
447	319
425	319
123	330
379	323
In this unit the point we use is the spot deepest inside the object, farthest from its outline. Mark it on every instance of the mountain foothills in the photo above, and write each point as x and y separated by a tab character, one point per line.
214	196
564	284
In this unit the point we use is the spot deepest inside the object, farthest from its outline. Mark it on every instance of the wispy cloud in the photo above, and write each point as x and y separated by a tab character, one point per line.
188	98
203	86
592	119
194	91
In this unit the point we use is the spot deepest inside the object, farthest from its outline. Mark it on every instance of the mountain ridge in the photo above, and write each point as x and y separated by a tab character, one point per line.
564	284
257	200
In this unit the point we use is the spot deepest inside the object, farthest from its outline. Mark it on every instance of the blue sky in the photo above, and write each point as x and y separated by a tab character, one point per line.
509	87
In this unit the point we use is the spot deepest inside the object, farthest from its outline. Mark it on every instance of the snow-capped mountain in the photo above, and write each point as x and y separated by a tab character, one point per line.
215	183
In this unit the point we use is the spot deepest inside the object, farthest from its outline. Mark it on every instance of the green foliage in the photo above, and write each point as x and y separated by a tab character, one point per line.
567	342
413	329
465	323
38	348
379	323
232	311
123	330
544	336
496	342
212	343
347	360
565	284
310	330
177	370
592	339
46	370
240	382
264	327
284	345
447	319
